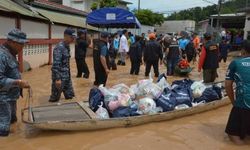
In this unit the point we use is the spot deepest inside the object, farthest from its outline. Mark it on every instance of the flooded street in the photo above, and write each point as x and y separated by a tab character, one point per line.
203	131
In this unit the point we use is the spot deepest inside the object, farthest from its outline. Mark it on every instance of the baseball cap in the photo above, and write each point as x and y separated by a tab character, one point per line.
70	32
151	36
18	36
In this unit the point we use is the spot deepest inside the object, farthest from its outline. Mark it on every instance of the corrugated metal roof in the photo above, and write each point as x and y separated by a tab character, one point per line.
8	5
57	17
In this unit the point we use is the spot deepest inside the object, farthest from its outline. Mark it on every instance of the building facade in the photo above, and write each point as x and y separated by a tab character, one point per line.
85	5
44	26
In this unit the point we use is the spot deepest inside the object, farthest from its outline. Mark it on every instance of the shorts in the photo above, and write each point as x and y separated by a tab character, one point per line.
238	122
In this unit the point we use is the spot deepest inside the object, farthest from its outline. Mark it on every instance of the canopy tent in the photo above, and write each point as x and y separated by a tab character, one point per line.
112	17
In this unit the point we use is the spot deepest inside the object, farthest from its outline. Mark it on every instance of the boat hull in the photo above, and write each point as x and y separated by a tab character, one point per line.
94	123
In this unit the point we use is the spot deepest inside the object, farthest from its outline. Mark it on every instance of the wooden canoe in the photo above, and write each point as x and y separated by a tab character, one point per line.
78	116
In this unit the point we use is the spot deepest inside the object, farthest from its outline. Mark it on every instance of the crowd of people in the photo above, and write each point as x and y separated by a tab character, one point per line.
150	51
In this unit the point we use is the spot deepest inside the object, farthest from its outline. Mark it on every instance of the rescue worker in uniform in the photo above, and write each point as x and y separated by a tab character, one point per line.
209	59
80	54
10	79
101	59
135	54
61	77
152	55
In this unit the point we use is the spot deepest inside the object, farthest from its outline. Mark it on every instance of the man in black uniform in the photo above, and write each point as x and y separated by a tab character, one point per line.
209	59
80	54
152	55
101	59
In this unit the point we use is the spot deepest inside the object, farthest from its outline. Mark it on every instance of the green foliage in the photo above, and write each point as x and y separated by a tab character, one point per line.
108	3
147	17
94	6
199	13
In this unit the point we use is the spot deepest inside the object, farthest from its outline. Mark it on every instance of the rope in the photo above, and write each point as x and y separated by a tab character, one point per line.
28	104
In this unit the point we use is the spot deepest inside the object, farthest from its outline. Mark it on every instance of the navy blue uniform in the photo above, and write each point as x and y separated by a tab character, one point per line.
9	93
100	49
173	57
152	55
61	71
80	55
135	53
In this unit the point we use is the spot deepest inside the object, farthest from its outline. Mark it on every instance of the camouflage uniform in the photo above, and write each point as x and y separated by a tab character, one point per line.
61	71
9	93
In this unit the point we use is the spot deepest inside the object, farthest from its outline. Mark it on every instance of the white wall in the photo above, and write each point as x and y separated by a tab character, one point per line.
36	55
6	25
35	29
247	26
78	5
176	26
57	31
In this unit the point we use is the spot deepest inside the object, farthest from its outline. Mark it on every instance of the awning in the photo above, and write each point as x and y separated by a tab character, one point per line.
8	5
112	17
63	18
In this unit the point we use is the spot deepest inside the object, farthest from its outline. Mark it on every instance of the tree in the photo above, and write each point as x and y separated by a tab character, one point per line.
108	3
104	3
147	17
198	13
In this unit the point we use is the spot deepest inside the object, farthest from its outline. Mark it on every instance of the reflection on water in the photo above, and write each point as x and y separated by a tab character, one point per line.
201	131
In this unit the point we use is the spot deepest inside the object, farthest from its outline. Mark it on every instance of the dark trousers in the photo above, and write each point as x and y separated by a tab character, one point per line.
135	67
112	63
66	89
7	116
155	65
100	77
82	67
171	64
209	75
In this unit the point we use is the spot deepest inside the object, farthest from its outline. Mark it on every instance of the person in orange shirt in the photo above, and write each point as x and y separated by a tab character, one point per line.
196	41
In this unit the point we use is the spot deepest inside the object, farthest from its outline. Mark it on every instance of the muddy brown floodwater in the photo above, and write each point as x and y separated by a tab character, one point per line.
203	131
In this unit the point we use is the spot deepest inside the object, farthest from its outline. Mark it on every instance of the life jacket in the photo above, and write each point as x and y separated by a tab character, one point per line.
212	52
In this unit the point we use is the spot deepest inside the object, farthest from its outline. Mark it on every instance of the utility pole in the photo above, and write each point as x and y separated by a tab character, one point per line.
139	5
219	11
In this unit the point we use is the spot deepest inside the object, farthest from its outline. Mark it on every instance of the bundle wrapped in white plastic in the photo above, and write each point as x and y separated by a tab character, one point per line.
108	94
124	99
163	83
147	88
102	113
153	90
147	106
198	88
123	89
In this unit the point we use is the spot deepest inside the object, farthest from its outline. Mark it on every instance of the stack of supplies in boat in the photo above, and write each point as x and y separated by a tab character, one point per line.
146	97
